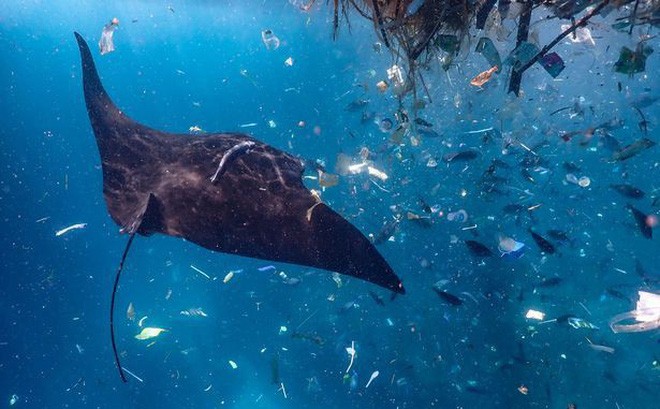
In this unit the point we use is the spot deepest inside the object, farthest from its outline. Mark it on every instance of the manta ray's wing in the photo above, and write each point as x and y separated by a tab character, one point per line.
225	192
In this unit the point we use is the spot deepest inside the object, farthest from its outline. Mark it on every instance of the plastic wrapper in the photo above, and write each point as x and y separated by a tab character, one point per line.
149	332
486	48
106	43
645	316
631	62
521	55
553	64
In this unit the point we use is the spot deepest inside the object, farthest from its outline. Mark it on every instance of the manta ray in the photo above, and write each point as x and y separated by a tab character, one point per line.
226	192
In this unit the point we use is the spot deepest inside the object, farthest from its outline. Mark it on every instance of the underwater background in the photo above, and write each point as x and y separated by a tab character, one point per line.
181	64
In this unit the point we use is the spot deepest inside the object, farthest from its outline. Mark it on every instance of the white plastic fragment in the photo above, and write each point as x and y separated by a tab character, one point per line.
232	364
149	332
283	329
201	272
228	277
648	307
373	376
351	352
535	315
194	312
68	229
377	173
132	374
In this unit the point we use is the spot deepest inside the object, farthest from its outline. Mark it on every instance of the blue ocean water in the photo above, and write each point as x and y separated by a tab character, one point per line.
180	64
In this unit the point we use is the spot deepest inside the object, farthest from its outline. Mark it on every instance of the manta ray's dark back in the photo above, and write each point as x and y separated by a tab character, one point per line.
226	192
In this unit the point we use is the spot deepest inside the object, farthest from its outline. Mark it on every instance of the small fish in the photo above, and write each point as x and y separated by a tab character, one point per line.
420	121
357	105
468	154
377	298
497	163
641	219
386	231
559	235
571	167
425	206
550	282
318	340
70	228
526	175
617	294
130	312
428	133
542	243
478	249
483	77
629	191
610	142
633	149
448	297
513	208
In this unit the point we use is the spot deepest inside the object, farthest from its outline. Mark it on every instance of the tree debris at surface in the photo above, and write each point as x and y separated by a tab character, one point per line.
420	32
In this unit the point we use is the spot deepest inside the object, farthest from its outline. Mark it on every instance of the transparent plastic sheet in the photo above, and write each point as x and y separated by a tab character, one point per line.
486	48
618	325
553	64
106	44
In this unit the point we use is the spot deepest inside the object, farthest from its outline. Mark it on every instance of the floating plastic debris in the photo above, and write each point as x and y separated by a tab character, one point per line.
459	216
535	315
553	64
270	40
377	173
201	272
65	230
232	364
584	181
521	55
13	400
289	62
601	348
228	277
351	352
132	374
631	62
195	130
486	48
645	316
328	179
194	312
483	77
510	249
382	86
580	35
373	376
149	332
106	43
395	74
578	323
130	312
